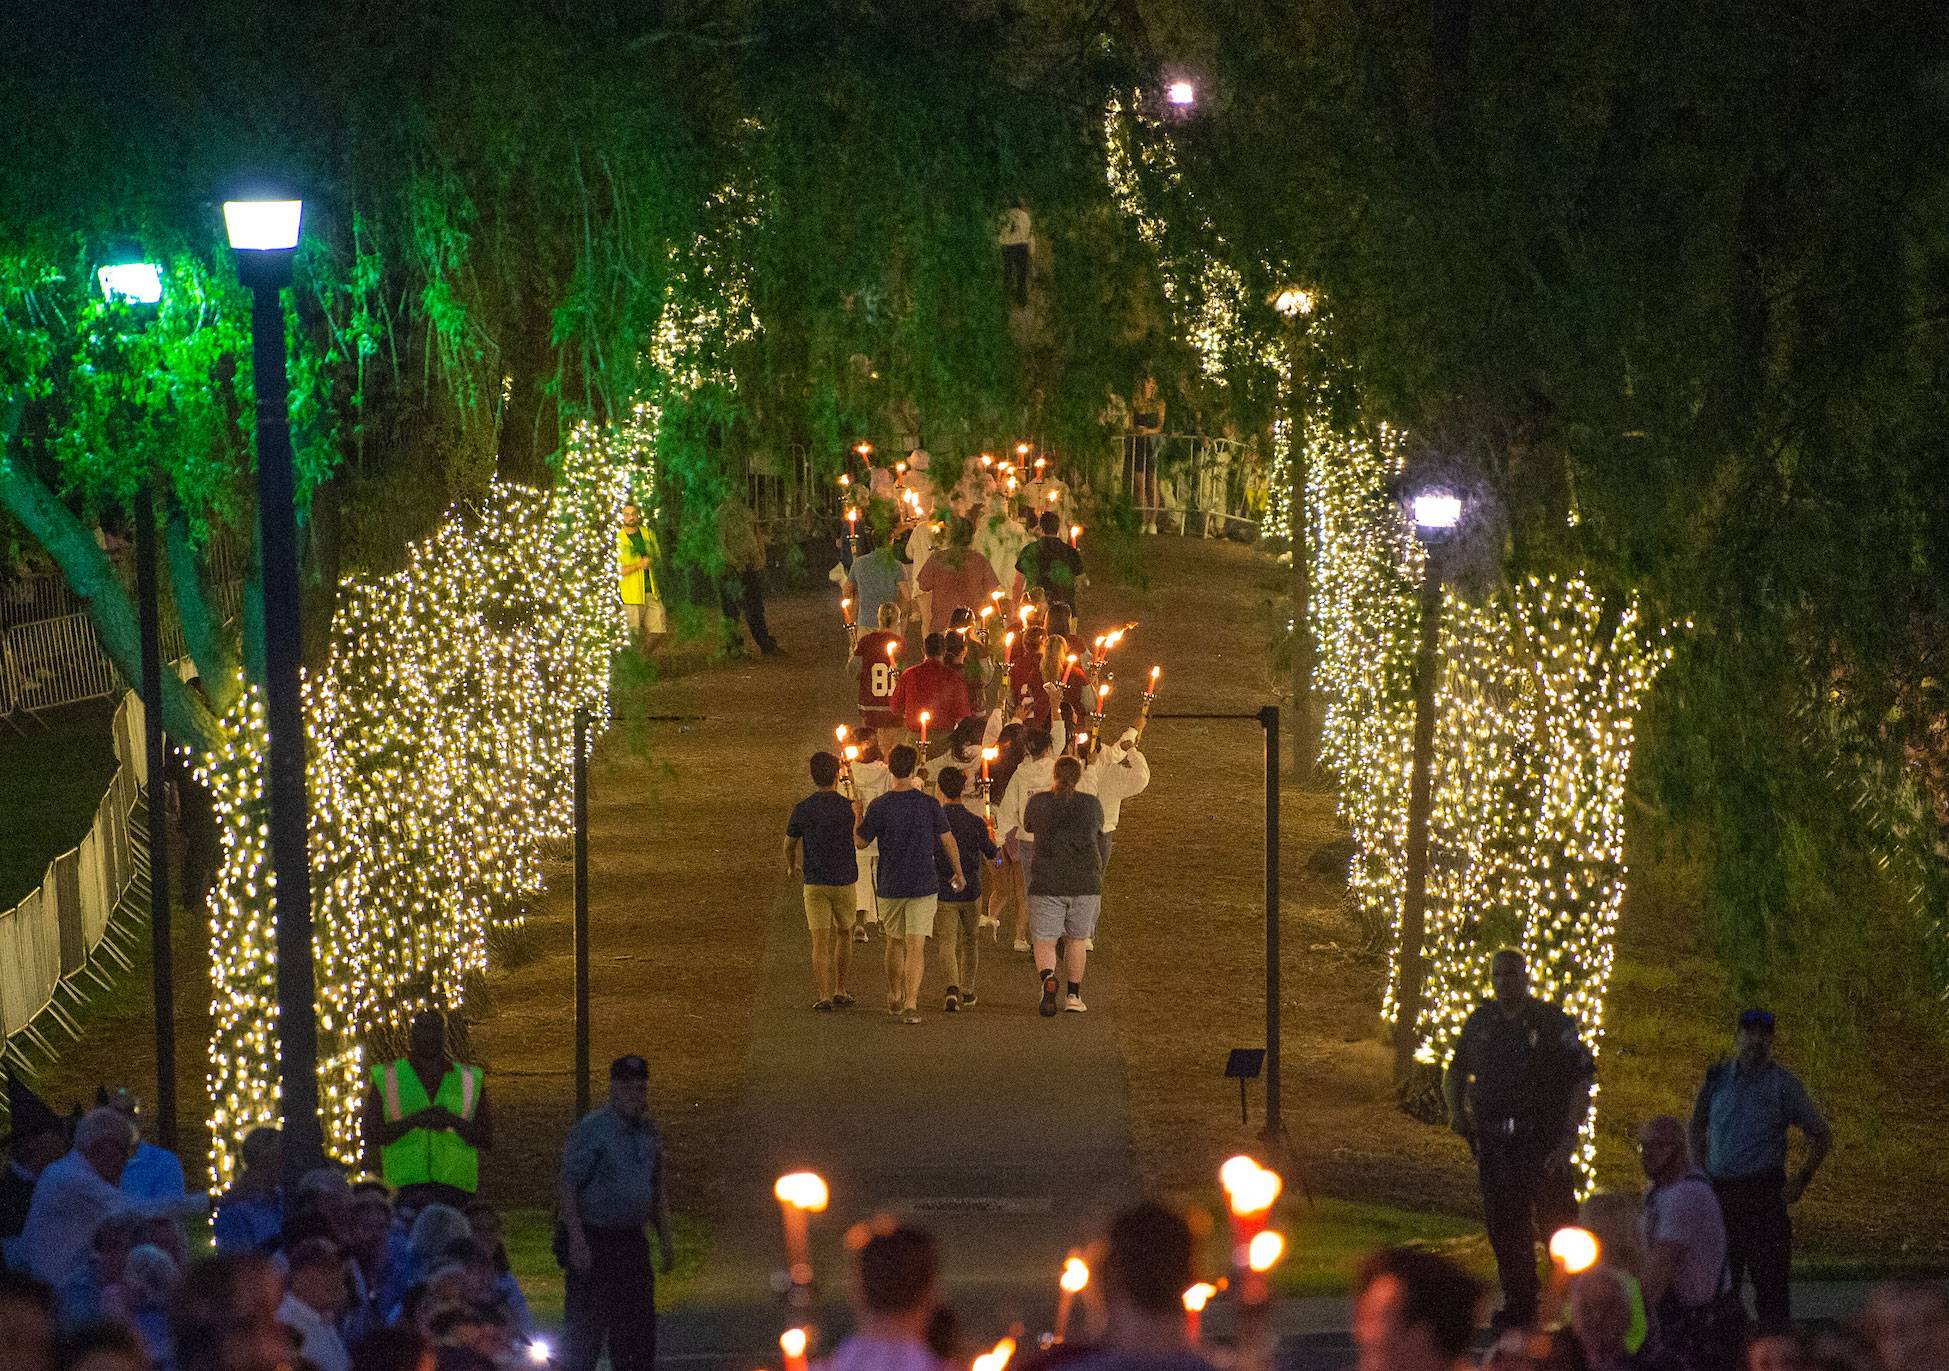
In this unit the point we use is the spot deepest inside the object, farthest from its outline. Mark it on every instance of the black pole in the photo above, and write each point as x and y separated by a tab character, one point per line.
162	972
1275	1125
581	773
1306	709
297	1020
1414	894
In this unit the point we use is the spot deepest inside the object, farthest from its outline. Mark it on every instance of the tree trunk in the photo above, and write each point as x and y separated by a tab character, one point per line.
111	609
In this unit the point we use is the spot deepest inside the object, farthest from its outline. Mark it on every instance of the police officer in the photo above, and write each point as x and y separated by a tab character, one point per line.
1739	1137
1517	1092
427	1115
612	1185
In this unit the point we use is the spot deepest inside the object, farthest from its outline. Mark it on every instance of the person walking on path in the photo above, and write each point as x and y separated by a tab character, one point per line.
612	1186
742	592
958	923
1739	1138
1033	775
1050	564
956	577
877	663
1517	1092
636	555
1115	774
883	577
908	824
1065	881
1685	1255
427	1116
935	688
896	1292
870	780
819	846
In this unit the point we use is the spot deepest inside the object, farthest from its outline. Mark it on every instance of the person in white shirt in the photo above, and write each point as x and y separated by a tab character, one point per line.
314	1301
73	1196
871	779
1036	774
1114	774
896	1291
1000	537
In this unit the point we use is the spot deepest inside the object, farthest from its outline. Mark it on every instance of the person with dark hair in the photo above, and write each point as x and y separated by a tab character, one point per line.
35	1141
870	780
103	1346
819	848
1146	1270
250	1214
958	920
316	1300
401	1347
226	1315
954	578
507	1293
83	1297
1033	774
612	1187
1413	1311
741	593
427	1117
934	688
1740	1121
1065	881
896	1278
467	1337
1049	564
1517	1091
27	1313
908	824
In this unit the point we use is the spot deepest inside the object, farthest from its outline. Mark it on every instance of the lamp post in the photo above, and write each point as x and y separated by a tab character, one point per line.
1294	304
1435	514
264	240
124	278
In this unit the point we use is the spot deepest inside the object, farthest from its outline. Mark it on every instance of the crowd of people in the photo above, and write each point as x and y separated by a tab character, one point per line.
401	1267
976	789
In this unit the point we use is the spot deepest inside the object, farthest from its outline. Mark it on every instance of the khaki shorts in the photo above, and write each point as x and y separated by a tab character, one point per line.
912	918
829	907
646	619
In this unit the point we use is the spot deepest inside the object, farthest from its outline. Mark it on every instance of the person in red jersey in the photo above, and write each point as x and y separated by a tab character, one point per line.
935	688
877	665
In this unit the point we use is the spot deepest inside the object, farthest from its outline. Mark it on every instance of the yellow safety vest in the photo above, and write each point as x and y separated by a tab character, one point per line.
428	1154
637	585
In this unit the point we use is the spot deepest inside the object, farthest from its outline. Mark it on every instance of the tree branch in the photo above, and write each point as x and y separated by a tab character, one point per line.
92	576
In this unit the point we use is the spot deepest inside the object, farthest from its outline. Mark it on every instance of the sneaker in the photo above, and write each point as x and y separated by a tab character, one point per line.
1074	1005
910	1016
1089	944
968	999
1048	1006
822	1006
859	933
1021	944
843	1001
953	1005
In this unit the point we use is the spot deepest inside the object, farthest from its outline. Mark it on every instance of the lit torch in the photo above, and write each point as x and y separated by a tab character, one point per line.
1075	534
1150	693
1250	1192
800	1193
1075	1275
792	1343
1195	1300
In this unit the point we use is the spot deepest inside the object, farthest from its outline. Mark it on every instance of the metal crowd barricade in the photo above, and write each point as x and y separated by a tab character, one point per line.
85	915
1193	484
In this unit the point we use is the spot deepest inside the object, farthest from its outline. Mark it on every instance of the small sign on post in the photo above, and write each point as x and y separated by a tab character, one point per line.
1244	1064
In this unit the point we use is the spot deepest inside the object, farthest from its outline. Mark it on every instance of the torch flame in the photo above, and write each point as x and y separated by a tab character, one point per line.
988	754
1249	1187
803	1190
852	753
1198	1296
1075	1274
839	731
997	1359
792	1342
1265	1250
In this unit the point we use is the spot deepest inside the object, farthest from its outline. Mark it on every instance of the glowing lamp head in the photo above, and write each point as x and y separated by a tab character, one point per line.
1575	1249
1181	94
1435	511
804	1190
1264	1251
1198	1296
539	1351
263	225
135	283
792	1342
1075	1275
1294	302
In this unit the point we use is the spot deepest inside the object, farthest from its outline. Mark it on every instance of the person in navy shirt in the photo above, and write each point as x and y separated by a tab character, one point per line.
819	848
958	919
907	822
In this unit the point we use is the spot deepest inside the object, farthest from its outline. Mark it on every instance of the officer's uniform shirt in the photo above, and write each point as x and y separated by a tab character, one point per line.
1524	1069
613	1162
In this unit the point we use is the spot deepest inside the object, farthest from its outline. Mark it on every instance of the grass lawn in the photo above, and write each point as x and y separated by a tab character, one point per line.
528	1234
55	778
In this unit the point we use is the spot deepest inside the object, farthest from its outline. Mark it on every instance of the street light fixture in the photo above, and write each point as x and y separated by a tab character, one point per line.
1435	513
1294	302
264	234
1181	94
125	278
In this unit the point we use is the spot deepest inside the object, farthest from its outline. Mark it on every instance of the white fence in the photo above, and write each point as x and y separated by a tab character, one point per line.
86	915
1193	484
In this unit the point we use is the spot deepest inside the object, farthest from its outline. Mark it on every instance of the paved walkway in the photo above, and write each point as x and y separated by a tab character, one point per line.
1004	1133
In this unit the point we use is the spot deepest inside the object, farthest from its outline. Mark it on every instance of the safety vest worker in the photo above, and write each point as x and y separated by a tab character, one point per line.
429	1146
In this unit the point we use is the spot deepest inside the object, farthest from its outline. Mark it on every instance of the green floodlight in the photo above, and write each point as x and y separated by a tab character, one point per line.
136	283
